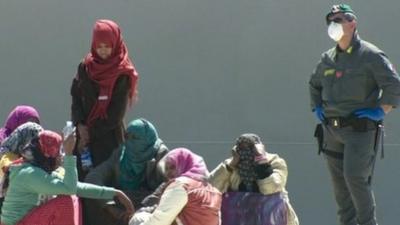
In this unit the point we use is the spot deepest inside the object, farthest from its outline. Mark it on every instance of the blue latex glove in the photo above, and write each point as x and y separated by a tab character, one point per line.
375	114
319	113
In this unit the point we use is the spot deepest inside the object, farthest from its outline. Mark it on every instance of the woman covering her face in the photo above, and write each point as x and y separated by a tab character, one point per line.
31	177
105	84
133	168
253	179
188	197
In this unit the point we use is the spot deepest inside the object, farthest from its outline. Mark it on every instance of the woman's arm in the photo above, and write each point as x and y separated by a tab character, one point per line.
38	181
77	115
276	181
220	176
171	204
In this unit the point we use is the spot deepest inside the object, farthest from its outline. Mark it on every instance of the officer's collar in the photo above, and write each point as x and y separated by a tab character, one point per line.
354	45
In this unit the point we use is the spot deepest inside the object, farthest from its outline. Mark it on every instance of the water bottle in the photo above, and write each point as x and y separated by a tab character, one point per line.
86	159
67	130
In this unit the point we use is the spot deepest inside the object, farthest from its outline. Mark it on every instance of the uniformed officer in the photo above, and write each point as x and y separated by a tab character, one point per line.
352	88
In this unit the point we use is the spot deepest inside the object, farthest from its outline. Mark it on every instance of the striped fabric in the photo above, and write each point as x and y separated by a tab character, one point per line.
250	208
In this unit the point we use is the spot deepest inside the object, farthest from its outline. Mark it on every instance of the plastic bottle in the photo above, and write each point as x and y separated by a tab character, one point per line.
67	130
86	159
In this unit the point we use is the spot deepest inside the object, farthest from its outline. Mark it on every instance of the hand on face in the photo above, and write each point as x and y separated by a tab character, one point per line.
260	156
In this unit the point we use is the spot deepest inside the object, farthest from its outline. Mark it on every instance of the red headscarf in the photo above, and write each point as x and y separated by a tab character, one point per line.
50	143
106	72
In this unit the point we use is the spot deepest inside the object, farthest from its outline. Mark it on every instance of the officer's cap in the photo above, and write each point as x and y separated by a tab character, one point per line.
341	8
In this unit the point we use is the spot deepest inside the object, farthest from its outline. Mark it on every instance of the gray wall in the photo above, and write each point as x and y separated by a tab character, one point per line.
210	70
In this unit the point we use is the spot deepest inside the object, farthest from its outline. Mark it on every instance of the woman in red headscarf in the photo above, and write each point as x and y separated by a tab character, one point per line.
32	178
105	84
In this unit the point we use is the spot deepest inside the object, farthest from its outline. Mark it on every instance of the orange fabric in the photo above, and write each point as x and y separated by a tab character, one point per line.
204	204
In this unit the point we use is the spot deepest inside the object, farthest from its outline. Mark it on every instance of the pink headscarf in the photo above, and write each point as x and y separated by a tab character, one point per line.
18	116
187	164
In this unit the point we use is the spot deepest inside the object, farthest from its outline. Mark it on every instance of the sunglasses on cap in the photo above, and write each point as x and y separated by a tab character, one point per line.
341	19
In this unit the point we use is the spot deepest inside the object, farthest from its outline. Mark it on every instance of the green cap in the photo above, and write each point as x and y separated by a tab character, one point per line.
341	8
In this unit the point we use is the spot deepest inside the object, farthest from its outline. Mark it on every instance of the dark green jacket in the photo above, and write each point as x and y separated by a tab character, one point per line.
360	77
107	173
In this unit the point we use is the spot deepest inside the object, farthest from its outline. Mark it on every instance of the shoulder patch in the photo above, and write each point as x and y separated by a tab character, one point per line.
328	72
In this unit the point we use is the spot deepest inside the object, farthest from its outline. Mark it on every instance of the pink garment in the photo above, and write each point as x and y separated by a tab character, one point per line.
63	210
203	206
18	116
187	164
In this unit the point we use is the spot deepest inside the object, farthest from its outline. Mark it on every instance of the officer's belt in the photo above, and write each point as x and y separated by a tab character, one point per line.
338	122
358	124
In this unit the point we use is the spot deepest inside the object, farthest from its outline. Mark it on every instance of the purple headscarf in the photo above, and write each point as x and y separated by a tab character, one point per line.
20	115
187	164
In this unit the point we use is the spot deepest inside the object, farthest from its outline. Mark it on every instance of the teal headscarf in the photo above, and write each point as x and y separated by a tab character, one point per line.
140	146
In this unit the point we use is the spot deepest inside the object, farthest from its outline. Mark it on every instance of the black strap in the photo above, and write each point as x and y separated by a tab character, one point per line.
379	137
319	134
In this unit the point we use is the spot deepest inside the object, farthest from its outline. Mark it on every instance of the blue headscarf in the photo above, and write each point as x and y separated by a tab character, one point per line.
140	146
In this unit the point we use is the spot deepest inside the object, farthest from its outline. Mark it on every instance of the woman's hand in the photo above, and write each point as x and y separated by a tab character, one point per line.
118	214
126	202
234	160
69	144
260	156
83	132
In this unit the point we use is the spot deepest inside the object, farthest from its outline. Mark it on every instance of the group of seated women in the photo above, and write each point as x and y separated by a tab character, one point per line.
141	183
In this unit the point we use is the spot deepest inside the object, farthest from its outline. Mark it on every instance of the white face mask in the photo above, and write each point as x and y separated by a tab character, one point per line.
335	31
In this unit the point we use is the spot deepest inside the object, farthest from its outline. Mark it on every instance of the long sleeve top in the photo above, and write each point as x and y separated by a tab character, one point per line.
29	183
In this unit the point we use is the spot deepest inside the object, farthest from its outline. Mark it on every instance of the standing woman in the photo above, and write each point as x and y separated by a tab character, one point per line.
105	84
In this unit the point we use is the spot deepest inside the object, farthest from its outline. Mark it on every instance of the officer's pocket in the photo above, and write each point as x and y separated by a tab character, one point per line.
327	84
353	86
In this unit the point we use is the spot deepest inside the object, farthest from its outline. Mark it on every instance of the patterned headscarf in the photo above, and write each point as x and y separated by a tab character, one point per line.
20	137
18	116
187	164
141	145
245	147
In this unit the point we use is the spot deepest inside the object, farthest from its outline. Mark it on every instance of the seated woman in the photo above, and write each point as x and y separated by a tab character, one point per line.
31	177
188	198
253	170
18	116
132	168
21	126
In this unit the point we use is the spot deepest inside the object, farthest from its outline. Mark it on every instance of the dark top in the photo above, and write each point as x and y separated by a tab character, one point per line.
360	77
109	132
